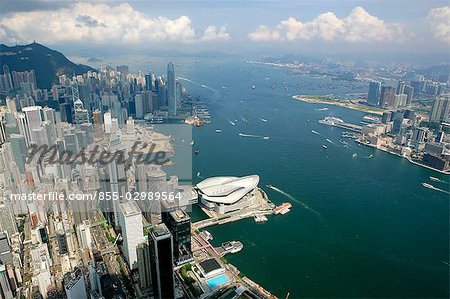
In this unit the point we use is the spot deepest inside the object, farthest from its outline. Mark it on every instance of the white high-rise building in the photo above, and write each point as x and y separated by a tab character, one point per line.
130	220
171	89
84	233
108	122
34	118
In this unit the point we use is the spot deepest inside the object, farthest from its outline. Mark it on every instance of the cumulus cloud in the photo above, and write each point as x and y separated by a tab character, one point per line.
213	34
358	26
439	19
101	23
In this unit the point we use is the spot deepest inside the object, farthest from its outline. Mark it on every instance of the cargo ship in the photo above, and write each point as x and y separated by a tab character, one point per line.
282	209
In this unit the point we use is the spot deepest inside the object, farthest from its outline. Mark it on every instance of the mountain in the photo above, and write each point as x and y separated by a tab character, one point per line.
47	64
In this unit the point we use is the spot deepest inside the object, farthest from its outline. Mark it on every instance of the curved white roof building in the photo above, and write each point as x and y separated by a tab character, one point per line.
225	194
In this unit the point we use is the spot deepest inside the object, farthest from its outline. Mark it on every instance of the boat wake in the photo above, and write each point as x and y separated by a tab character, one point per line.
437	180
434	188
254	136
295	200
196	83
199	175
315	132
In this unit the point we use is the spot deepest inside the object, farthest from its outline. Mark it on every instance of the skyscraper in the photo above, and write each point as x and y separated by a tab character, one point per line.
171	89
161	251
74	285
144	265
409	91
441	109
373	97
19	150
179	225
130	220
5	286
387	96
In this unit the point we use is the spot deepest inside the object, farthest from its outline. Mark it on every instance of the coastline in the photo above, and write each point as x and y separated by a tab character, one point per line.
321	99
403	157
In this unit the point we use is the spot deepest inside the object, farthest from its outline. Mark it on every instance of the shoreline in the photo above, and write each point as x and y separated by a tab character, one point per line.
315	99
403	157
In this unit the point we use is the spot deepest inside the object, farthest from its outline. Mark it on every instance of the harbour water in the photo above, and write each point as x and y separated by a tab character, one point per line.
358	227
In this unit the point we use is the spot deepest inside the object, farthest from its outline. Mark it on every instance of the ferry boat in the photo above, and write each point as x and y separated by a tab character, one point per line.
260	218
207	235
282	209
232	246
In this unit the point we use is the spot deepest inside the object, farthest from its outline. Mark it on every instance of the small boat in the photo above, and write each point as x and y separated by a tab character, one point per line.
263	120
266	138
329	140
196	151
232	123
260	218
253	87
218	131
269	186
192	143
435	179
355	155
315	132
324	146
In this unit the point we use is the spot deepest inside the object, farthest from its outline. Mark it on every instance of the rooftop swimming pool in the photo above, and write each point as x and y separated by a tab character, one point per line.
216	281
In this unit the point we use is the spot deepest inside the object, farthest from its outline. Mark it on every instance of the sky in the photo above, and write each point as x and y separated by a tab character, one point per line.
314	26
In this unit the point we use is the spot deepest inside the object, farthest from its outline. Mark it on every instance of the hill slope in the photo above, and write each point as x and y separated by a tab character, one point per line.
48	64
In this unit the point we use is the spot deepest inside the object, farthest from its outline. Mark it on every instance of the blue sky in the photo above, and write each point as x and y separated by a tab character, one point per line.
232	26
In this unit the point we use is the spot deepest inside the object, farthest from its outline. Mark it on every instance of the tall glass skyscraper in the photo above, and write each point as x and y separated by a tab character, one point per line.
171	89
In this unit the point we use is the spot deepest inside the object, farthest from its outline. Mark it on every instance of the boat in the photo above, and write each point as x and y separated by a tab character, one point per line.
266	138
197	151
263	120
207	235
329	140
232	123
260	218
244	120
429	186
355	155
282	209
192	143
343	142
232	246
315	132
435	179
253	87
324	146
218	131
269	186
321	109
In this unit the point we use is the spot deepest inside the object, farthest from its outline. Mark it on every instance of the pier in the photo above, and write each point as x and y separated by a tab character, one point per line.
337	122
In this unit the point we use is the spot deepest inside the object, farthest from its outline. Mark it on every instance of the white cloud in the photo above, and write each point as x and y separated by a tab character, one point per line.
439	19
100	23
213	34
358	26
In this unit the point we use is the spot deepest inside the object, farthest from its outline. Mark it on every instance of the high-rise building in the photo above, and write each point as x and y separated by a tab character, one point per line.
7	219
62	242
6	257
19	150
161	251
144	262
84	233
373	97
171	89
74	285
179	225
441	109
5	286
409	91
387	96
400	87
139	104
130	219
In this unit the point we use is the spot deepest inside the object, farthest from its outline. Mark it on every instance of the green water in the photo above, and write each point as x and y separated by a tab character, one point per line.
371	229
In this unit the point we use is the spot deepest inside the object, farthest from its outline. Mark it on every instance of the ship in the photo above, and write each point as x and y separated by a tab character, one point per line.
435	179
324	146
329	140
429	186
263	120
282	209
260	218
206	235
232	246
